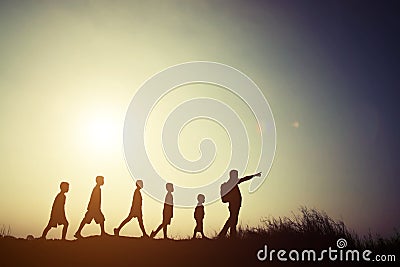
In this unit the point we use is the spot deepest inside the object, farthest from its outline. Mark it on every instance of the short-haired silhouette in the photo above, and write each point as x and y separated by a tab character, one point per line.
57	216
136	210
168	211
199	216
234	198
94	209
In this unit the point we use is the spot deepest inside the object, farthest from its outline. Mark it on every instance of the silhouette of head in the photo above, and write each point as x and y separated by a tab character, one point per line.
100	180
169	187
139	184
64	186
201	198
233	175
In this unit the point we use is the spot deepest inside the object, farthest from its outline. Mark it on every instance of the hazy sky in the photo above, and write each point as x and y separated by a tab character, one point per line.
329	70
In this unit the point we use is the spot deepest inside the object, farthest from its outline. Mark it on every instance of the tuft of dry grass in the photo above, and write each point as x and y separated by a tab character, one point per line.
5	231
313	228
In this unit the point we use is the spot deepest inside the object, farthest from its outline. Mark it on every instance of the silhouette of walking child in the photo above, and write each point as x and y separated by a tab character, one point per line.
168	212
57	216
199	216
230	193
94	209
136	210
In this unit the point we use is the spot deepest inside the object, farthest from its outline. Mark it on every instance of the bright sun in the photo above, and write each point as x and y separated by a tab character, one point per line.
101	132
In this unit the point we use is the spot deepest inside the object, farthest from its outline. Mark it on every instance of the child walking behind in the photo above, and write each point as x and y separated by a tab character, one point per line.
199	216
57	216
136	210
168	211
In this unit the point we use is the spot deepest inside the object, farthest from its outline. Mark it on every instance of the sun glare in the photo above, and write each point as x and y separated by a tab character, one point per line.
102	132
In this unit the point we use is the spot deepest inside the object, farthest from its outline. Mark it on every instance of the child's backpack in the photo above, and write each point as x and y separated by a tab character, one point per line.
224	191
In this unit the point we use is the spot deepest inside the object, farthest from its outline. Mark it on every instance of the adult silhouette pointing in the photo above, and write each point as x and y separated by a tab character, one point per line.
230	193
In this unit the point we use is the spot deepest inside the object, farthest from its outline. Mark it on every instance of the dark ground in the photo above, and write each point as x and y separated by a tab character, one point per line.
126	251
123	251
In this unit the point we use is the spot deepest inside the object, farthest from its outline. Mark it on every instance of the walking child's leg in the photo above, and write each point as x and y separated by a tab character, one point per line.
140	220
124	222
46	230
78	232
165	228
202	234
202	231
64	231
153	233
103	232
158	228
194	233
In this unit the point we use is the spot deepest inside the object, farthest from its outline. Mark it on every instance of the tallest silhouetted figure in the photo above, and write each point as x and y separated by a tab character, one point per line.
94	209
230	193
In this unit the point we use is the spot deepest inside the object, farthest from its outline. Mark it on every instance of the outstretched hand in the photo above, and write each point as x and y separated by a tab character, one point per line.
258	174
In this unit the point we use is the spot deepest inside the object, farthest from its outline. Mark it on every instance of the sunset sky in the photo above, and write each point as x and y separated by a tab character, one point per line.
329	70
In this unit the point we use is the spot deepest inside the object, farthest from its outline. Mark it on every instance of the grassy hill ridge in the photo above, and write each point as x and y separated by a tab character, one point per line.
311	229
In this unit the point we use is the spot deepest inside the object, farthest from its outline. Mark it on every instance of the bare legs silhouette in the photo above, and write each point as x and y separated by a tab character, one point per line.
163	226
167	212
93	209
141	225
85	221
136	210
64	230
